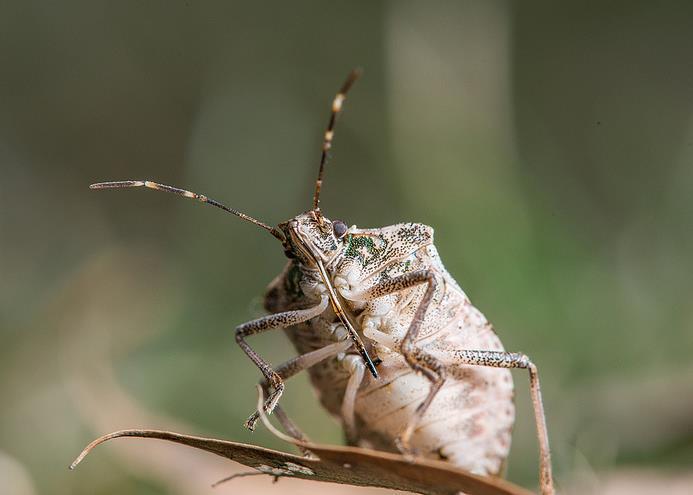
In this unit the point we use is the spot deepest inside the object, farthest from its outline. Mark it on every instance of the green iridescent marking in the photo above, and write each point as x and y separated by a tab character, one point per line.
356	242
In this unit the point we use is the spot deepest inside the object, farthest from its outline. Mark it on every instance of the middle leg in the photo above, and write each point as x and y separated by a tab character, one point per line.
416	358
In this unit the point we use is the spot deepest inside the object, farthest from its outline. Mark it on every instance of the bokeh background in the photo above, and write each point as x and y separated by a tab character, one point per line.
549	143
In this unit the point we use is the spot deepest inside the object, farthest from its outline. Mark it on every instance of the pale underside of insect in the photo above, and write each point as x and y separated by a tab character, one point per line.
392	344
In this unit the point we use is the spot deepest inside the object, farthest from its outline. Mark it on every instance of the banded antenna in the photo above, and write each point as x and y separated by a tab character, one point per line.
329	133
186	194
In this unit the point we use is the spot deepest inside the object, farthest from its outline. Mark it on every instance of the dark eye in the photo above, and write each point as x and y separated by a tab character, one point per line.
339	228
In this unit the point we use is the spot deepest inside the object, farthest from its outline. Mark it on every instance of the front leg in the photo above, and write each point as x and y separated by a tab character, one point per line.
294	366
278	320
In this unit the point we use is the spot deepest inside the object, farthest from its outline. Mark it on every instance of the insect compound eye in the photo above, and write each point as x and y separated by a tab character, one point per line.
339	228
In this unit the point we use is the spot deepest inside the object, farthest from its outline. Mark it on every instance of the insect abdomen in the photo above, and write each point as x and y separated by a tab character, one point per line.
469	422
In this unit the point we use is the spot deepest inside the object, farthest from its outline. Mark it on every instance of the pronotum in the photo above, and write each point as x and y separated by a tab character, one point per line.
392	344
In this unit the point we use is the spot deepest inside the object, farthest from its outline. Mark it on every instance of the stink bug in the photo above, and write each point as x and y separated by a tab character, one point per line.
392	344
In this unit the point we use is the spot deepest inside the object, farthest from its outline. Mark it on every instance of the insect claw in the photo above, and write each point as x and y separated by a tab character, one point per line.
403	446
251	422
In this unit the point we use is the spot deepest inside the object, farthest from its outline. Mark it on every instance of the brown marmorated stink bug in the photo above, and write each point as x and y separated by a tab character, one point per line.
380	300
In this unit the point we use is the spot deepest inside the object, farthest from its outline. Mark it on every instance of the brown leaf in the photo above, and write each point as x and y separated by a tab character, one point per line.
336	464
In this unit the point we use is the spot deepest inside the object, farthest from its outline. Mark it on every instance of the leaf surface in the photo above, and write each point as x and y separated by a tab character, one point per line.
337	464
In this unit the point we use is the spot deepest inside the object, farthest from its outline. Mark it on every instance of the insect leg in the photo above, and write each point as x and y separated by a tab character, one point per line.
497	359
290	427
357	370
417	359
296	365
278	320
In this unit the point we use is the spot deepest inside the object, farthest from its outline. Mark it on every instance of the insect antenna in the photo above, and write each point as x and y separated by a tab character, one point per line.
329	132
186	194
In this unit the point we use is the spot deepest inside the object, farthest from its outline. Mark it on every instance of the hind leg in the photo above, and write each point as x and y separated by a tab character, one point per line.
498	359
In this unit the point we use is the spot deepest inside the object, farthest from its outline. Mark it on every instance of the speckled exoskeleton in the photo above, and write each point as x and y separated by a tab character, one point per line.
380	301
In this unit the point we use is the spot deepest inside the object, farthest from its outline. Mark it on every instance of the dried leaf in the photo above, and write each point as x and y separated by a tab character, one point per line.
336	464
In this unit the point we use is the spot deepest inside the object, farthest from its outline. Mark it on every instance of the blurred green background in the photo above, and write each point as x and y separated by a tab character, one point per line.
549	143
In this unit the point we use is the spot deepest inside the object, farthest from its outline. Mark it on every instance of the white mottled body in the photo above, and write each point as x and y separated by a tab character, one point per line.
353	299
470	420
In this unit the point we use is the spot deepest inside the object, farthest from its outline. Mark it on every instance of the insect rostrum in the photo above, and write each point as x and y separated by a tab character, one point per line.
392	344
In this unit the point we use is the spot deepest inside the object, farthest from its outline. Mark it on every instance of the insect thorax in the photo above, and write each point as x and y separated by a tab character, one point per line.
360	258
